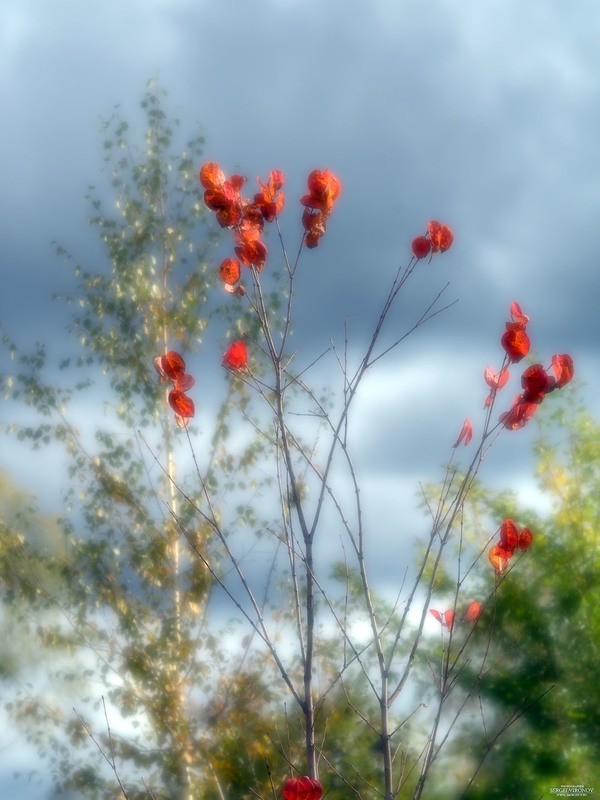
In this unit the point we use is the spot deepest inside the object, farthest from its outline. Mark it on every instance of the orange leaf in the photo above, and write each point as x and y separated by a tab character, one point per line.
499	557
229	271
440	236
473	611
252	253
269	201
324	189
211	176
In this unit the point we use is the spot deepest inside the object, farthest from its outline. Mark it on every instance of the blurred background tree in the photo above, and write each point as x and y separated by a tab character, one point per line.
127	604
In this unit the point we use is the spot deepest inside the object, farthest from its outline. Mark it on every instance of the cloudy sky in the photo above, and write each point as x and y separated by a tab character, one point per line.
483	115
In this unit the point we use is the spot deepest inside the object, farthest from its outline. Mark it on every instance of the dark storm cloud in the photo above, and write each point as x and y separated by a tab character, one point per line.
484	117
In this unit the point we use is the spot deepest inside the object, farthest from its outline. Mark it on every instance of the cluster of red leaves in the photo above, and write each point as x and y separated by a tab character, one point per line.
235	358
304	788
222	195
438	239
171	366
512	537
244	216
324	188
536	383
446	619
536	380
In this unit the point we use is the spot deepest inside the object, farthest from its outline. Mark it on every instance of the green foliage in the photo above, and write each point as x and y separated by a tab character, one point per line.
31	564
157	286
542	631
126	593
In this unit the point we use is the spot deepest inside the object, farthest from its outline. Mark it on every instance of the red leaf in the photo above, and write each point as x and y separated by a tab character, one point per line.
466	433
515	342
519	414
517	315
222	196
446	619
181	404
237	182
276	181
496	380
563	367
251	225
235	357
525	539
509	535
172	365
421	247
304	788
534	381
184	383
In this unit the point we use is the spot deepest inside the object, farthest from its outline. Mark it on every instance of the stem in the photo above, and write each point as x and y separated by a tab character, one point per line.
429	749
276	355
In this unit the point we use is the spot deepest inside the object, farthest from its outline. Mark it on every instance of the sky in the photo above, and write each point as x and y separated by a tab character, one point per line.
482	115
